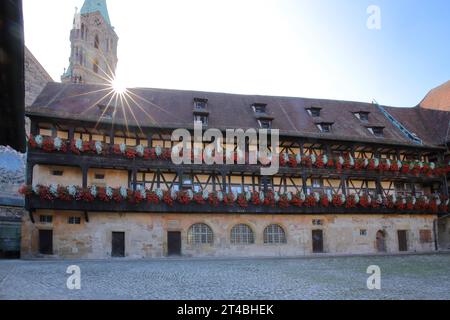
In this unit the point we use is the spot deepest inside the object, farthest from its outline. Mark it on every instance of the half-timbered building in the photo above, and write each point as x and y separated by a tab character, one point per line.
354	178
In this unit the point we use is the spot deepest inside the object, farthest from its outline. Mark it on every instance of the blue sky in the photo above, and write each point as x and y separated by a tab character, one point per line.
320	48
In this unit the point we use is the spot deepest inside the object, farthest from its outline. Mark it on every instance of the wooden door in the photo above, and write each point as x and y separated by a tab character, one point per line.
46	242
381	241
174	243
118	244
317	238
402	240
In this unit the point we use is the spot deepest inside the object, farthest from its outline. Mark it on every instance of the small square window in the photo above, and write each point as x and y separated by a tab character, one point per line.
324	127
314	112
265	124
99	176
376	131
364	116
259	108
317	222
363	232
74	220
200	105
58	173
45	219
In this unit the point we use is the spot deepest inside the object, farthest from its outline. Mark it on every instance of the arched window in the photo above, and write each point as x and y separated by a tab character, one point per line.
200	233
96	41
242	234
82	31
274	234
95	66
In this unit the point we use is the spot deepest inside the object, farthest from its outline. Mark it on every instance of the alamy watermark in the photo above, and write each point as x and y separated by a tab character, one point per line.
235	142
74	280
374	281
374	19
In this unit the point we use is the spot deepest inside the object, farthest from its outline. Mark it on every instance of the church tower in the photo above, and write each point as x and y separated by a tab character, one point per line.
93	57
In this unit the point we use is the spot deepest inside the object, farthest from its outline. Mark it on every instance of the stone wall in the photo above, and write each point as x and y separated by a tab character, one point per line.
146	234
35	78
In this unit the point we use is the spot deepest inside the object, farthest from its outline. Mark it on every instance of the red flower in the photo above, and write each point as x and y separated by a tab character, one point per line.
330	163
101	194
32	142
310	201
87	196
269	199
152	197
130	153
228	199
281	160
394	166
116	149
26	190
117	196
63	194
47	145
337	200
364	201
242	201
255	198
399	204
296	201
74	148
383	166
306	161
351	201
284	202
359	164
433	206
167	198
405	168
421	205
319	162
416	170
292	161
213	199
183	197
198	198
324	202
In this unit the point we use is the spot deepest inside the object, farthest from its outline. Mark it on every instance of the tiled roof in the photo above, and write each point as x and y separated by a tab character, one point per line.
174	109
438	98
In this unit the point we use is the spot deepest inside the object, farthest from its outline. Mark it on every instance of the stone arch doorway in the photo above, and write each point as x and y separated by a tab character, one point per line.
381	241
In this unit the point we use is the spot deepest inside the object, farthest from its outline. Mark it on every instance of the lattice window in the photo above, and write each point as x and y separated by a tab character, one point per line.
200	233
274	234
242	234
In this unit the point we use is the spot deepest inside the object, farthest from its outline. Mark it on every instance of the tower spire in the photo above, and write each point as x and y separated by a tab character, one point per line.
91	6
93	57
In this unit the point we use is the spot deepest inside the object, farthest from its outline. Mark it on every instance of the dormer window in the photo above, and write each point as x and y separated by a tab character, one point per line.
203	119
363	116
259	108
376	131
265	124
314	112
106	111
200	104
324	127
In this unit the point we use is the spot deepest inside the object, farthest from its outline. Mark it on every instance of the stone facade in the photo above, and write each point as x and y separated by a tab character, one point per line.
35	78
146	234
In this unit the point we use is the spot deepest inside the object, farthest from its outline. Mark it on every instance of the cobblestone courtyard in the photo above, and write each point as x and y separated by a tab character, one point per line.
402	277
